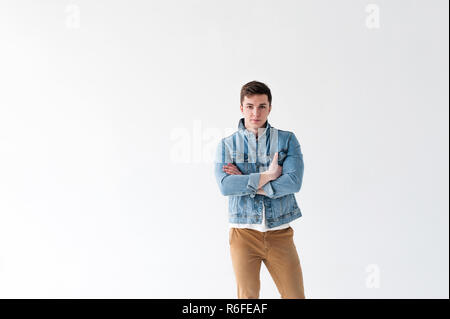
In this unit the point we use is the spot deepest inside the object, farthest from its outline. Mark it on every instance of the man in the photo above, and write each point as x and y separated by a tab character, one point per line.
260	168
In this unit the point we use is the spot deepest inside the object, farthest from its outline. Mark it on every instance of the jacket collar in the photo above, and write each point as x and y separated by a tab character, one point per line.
243	129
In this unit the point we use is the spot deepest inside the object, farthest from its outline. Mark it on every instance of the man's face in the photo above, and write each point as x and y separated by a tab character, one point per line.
255	109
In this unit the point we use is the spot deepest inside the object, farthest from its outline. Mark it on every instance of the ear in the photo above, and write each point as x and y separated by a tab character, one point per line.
270	108
242	108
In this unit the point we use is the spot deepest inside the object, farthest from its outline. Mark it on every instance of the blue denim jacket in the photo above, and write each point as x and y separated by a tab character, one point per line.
252	156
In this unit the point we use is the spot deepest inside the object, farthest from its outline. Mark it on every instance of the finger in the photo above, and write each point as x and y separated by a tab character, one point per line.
275	158
235	168
232	166
234	171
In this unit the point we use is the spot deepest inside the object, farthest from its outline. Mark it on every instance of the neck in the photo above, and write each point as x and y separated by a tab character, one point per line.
255	130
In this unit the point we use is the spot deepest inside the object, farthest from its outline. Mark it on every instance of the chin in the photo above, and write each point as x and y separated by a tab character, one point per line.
255	125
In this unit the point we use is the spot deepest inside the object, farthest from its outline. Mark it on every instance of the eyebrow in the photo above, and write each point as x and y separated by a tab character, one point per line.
252	104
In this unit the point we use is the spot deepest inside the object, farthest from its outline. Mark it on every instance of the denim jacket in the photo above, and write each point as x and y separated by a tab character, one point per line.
253	156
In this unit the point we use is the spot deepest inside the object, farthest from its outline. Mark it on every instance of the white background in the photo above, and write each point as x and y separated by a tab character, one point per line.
109	111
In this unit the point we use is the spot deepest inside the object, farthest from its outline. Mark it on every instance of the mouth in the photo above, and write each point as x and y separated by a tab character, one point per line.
254	120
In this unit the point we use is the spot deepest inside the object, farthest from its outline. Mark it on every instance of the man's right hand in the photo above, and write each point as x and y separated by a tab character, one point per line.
274	170
271	174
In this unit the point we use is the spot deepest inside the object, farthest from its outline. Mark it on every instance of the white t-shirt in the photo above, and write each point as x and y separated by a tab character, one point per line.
260	227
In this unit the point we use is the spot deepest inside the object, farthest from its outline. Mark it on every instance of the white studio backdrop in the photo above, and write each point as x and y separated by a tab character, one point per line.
110	112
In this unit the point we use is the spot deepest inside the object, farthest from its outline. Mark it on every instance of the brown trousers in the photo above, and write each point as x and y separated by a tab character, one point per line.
276	248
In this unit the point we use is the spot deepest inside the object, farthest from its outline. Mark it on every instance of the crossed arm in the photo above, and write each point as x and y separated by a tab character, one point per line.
271	174
269	183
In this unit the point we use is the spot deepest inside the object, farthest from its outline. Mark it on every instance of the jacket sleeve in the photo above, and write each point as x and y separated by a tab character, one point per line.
230	185
291	179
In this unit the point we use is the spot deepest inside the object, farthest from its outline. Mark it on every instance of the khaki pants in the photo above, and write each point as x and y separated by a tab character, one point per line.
276	248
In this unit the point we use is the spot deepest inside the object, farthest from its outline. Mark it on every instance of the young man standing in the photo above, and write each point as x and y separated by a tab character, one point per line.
260	168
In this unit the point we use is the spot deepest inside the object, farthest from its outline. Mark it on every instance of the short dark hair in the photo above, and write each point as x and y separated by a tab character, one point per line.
255	87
